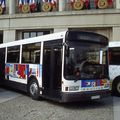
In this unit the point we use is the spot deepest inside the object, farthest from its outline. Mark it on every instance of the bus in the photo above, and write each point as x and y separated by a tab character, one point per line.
67	66
114	66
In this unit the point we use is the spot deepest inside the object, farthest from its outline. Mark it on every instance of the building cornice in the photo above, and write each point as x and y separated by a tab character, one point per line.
62	13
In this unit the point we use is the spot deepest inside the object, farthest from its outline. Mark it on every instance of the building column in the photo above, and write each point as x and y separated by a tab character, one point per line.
62	4
60	29
12	6
116	34
9	36
117	4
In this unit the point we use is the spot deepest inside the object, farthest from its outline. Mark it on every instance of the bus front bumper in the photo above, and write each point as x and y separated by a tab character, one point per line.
82	96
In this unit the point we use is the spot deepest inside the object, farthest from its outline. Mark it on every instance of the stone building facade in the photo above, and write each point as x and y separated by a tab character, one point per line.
18	23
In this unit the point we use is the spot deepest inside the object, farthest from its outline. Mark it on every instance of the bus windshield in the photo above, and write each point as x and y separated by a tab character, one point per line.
85	60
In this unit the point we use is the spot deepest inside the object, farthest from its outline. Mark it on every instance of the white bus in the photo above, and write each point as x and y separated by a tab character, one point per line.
114	66
66	66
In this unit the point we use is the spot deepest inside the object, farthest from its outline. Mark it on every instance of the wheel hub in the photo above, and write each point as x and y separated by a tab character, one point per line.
33	89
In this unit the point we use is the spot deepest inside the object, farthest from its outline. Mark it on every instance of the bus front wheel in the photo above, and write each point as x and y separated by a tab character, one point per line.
116	87
33	89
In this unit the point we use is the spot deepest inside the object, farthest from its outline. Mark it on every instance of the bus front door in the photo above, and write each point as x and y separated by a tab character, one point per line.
52	64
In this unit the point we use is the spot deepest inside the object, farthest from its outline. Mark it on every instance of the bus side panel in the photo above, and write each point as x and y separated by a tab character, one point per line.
17	75
114	71
16	72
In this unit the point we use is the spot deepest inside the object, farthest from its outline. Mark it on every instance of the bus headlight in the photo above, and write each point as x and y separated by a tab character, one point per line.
73	88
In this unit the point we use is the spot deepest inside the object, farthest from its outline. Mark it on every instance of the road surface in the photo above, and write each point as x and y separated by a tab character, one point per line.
18	106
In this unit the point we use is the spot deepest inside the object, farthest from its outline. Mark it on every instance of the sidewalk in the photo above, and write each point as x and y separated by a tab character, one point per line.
6	95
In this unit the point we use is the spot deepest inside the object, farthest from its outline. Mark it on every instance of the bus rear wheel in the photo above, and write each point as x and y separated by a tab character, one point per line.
33	89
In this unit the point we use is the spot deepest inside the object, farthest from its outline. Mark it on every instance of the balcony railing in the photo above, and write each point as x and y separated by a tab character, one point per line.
90	4
38	7
54	5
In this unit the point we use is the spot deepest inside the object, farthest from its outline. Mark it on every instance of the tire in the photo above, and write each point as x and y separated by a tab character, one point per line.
33	89
116	87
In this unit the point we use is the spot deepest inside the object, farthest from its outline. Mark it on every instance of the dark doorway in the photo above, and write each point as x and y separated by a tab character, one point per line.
1	37
2	65
52	68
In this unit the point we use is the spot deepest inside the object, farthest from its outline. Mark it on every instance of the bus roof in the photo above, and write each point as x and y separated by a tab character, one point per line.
114	44
52	36
71	35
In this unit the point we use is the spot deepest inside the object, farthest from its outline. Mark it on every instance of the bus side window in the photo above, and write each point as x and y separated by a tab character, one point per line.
13	54
31	53
37	58
114	54
109	56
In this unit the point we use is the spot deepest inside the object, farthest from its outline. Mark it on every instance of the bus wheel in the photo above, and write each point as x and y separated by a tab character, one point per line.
116	88
33	89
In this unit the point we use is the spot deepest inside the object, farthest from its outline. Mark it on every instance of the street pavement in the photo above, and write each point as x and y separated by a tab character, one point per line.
15	105
116	108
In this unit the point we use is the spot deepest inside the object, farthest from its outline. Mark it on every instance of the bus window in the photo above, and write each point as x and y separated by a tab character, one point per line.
114	54
86	58
31	53
13	54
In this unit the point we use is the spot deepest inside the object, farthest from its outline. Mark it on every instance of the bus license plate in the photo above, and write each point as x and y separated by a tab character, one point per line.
95	97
